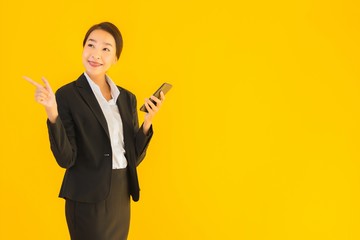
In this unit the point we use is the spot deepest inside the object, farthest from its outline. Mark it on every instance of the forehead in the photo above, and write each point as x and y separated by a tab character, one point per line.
101	36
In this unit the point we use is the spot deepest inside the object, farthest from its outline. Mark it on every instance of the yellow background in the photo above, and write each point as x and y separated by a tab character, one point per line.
258	139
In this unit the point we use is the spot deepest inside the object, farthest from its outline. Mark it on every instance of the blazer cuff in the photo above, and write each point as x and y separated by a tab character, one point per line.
53	127
56	132
144	139
150	132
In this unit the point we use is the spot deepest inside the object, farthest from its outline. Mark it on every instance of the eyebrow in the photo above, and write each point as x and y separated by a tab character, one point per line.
93	40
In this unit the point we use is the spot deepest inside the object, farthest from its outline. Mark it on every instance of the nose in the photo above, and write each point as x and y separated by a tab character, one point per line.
95	56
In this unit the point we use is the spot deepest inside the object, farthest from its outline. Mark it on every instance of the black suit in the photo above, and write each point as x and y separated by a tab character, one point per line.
80	142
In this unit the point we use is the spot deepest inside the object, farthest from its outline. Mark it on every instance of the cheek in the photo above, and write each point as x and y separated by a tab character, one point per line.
113	59
110	59
84	57
85	54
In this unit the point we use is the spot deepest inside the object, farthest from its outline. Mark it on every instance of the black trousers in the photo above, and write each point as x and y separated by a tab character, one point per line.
105	220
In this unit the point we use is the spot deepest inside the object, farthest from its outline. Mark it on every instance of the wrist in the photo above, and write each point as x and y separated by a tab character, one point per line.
146	127
52	113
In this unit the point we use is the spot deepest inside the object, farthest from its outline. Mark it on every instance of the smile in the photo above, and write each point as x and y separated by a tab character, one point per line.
94	64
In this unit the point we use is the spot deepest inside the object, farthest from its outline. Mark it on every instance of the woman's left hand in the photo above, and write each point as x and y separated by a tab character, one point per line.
152	109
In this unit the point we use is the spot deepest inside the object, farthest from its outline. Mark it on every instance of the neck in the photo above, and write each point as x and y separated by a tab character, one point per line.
100	80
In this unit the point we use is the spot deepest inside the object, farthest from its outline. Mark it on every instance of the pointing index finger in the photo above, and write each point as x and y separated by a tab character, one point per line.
32	82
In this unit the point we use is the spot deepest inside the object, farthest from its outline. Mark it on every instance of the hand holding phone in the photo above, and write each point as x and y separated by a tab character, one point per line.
165	87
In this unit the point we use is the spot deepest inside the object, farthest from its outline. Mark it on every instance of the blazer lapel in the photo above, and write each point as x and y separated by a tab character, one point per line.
124	105
90	99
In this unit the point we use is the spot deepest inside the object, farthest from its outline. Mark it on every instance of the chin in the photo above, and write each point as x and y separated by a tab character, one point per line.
94	70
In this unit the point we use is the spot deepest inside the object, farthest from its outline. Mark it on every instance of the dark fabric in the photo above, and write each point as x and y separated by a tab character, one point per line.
80	142
105	220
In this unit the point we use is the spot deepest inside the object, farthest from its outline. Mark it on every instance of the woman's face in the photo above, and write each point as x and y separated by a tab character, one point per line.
99	53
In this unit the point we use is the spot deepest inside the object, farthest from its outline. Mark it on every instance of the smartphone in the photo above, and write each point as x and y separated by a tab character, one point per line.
165	87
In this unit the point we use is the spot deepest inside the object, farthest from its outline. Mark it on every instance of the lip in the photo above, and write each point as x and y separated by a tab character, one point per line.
94	64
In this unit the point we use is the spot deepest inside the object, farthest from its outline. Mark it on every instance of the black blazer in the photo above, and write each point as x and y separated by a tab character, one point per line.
80	142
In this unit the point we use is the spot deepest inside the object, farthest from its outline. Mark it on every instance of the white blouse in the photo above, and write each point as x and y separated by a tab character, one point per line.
113	119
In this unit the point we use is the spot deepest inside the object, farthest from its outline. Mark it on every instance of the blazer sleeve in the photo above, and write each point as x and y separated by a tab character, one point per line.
62	135
141	140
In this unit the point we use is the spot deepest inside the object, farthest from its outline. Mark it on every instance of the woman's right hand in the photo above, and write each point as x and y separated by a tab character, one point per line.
46	97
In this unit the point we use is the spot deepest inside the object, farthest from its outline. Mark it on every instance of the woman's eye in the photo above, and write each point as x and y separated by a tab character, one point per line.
106	49
90	45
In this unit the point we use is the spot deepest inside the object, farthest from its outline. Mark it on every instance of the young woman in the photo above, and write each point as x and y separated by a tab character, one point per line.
94	133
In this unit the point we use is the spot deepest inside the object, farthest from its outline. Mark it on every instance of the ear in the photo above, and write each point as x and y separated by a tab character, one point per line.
115	60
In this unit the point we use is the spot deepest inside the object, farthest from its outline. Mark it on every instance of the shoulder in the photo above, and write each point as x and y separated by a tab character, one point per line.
70	87
126	92
66	92
67	87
